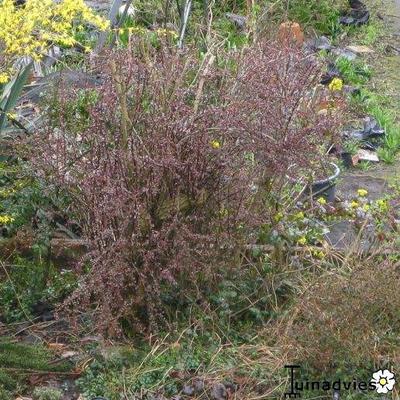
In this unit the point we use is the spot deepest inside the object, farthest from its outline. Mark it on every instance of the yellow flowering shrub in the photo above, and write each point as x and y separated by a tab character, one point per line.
5	219
30	29
336	85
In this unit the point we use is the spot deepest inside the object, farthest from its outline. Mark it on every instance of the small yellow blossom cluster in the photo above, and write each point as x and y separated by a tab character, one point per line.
362	192
4	77
215	144
167	32
5	219
30	29
138	30
361	207
336	85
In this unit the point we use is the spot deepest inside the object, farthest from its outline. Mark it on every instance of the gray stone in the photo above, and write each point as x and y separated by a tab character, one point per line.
99	5
218	392
188	390
239	20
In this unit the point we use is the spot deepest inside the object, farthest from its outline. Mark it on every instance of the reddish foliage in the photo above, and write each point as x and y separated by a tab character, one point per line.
161	207
273	108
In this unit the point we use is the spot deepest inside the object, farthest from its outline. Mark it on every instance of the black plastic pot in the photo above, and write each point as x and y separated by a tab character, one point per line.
347	159
326	187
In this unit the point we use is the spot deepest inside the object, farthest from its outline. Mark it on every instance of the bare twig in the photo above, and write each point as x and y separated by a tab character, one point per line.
201	82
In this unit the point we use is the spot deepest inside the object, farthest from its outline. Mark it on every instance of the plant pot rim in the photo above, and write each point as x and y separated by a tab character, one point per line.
330	178
322	181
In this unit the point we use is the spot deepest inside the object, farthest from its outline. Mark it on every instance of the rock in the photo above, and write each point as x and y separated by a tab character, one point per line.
291	31
318	44
349	185
32	339
331	73
367	155
198	385
66	251
322	43
218	392
99	5
231	387
356	17
69	354
67	79
188	390
344	236
239	20
345	53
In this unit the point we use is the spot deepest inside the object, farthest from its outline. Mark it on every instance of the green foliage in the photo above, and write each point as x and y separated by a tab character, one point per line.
353	72
28	282
234	39
47	393
322	15
28	202
17	359
75	109
10	92
166	366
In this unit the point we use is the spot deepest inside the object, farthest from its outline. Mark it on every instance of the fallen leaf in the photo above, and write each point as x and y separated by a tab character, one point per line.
56	346
69	354
360	49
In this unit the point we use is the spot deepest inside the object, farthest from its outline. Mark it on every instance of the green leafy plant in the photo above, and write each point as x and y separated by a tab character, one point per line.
353	72
25	284
322	15
9	95
47	393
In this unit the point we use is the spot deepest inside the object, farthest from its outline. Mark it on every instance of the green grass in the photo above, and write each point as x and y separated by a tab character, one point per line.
355	72
18	360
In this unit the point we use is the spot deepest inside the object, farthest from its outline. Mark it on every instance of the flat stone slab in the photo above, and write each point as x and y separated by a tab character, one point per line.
349	184
344	236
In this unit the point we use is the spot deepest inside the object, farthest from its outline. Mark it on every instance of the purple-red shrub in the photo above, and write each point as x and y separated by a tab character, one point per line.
158	190
273	108
167	195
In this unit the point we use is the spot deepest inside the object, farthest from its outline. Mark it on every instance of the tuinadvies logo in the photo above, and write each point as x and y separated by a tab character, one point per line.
382	382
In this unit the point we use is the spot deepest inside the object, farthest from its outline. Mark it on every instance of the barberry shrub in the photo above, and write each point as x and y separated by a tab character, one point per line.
168	180
156	186
278	113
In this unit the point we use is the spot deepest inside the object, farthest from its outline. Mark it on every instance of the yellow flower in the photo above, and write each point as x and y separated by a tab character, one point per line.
362	192
5	219
321	201
319	254
215	144
30	30
299	216
354	204
302	240
336	84
4	77
382	205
